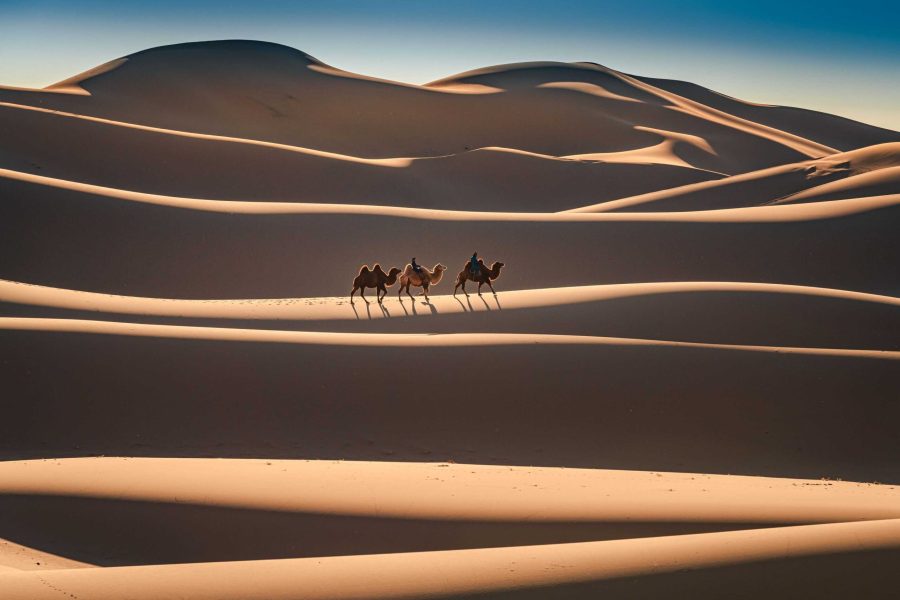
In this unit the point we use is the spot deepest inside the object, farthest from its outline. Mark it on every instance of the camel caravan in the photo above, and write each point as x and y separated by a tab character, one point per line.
415	275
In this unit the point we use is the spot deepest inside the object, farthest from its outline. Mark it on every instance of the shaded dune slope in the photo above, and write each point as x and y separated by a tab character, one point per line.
831	130
163	251
286	397
743	564
181	163
313	508
713	312
298	101
864	172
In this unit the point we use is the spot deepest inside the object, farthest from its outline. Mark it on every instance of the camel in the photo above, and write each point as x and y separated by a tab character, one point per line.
376	278
485	275
424	280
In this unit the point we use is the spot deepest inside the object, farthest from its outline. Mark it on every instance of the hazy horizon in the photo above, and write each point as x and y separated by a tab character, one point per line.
815	56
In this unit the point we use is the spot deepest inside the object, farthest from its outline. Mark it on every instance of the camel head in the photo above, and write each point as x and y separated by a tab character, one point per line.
439	268
394	271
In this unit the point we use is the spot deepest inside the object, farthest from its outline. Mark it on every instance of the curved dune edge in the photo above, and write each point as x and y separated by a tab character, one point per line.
756	214
681	103
455	572
308	309
793	141
871	171
443	491
418	340
16	558
661	153
383	162
886	178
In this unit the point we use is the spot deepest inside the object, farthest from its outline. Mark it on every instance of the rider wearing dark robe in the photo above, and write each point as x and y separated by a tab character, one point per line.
473	264
416	268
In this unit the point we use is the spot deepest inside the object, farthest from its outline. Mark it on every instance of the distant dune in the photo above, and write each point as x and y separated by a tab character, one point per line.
686	385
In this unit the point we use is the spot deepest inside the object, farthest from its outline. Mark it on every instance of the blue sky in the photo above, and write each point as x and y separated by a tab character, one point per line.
836	57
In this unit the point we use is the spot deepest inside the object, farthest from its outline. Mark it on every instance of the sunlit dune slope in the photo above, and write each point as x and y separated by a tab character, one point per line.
274	93
133	156
715	312
868	171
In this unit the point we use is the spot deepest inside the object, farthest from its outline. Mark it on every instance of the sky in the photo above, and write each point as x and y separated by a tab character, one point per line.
837	57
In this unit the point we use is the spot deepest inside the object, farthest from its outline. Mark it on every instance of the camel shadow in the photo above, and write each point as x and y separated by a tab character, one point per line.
384	310
461	304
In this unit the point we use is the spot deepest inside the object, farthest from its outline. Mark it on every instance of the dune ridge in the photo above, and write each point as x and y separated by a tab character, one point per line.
762	214
387	340
458	573
861	172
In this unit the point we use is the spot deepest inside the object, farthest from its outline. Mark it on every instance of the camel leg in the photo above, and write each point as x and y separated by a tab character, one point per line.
490	285
456	287
407	289
464	287
362	294
380	289
353	291
480	283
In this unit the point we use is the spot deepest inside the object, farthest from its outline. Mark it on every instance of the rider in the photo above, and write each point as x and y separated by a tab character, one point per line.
416	268
473	264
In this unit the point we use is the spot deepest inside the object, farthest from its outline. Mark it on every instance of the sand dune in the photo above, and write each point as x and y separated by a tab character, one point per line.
151	246
838	132
713	312
865	172
645	567
299	101
15	558
871	183
211	166
189	510
695	337
682	419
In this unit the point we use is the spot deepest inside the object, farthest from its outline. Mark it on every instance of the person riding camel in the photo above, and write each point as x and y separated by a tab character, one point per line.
474	267
416	268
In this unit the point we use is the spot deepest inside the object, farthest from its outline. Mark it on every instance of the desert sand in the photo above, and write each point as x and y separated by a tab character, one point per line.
685	386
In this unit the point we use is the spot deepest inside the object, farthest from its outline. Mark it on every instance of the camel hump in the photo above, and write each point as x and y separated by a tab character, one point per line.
377	268
364	269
